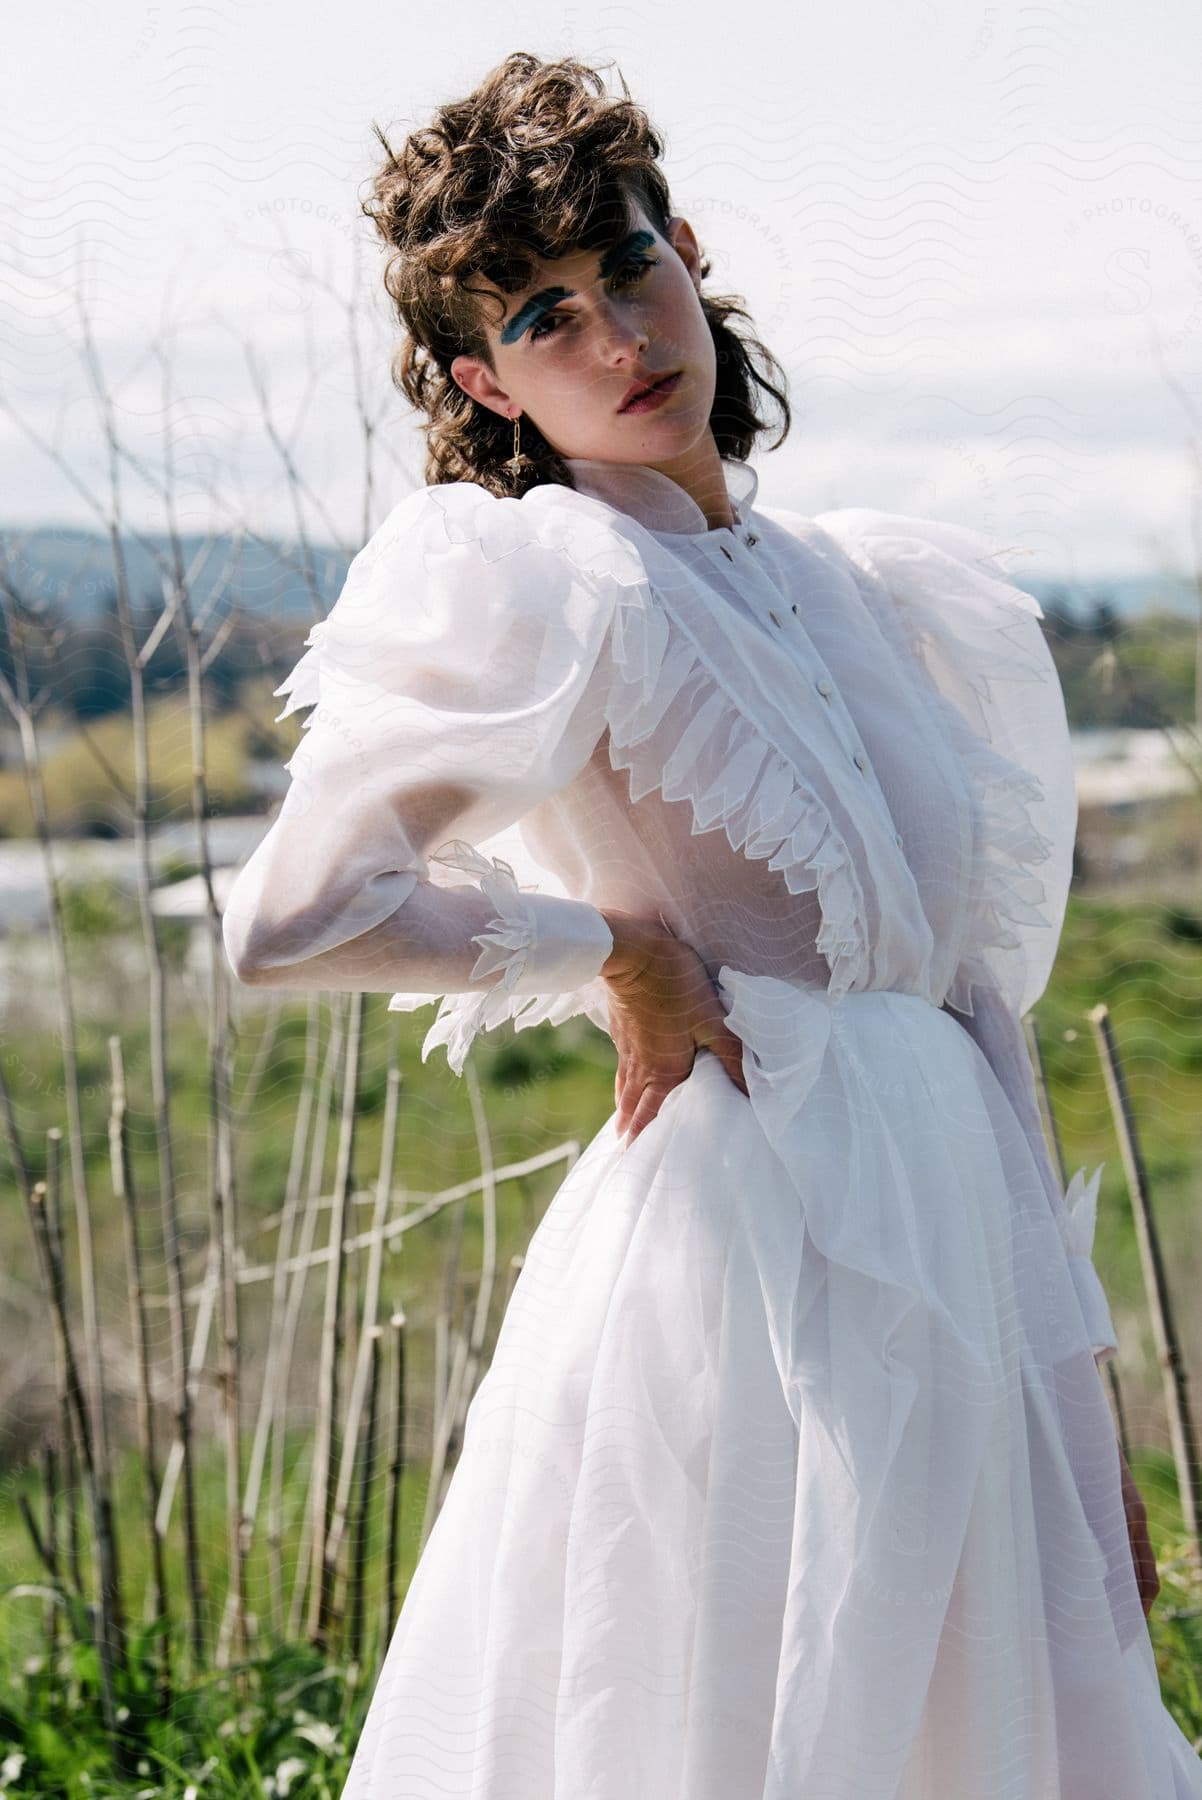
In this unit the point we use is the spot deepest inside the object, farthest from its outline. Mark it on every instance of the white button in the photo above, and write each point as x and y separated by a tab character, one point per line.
797	609
824	688
859	761
751	538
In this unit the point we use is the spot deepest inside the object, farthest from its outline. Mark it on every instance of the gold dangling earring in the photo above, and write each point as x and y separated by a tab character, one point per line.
515	461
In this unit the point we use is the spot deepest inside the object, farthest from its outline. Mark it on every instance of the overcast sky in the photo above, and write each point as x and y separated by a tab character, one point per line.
971	233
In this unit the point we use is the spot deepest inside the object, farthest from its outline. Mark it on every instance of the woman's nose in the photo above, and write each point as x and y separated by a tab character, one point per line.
621	333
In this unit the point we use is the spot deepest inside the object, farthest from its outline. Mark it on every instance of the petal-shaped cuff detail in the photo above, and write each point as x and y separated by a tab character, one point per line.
543	943
548	948
1081	1200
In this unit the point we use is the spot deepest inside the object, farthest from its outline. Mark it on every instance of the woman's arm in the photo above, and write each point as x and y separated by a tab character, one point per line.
458	682
436	941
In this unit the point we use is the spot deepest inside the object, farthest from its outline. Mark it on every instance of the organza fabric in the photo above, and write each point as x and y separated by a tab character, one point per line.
792	1471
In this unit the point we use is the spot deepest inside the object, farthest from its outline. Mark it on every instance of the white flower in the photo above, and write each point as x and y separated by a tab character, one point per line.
11	1767
285	1775
320	1734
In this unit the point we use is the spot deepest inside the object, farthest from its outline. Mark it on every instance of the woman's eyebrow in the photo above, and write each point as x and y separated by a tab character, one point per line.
551	296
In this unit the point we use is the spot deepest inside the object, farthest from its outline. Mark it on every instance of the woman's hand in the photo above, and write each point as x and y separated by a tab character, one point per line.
663	1008
1142	1554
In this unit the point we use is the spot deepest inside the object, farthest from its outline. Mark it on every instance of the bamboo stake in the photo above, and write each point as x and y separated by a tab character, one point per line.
366	1480
488	1261
395	1472
304	1556
222	1185
443	1362
1168	1349
469	1345
158	1602
331	1338
110	1652
279	1283
54	1211
12	1133
1052	1134
54	1228
371	1299
53	1222
50	1485
205	1296
444	1426
449	1358
296	1294
135	661
266	1044
72	1482
41	1545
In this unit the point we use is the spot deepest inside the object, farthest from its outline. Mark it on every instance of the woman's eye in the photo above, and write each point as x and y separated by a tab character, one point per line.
639	263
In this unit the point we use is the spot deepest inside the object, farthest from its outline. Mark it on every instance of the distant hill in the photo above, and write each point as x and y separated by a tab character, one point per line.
74	567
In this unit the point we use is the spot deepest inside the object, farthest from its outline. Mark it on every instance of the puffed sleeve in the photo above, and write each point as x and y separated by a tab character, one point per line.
978	639
458	680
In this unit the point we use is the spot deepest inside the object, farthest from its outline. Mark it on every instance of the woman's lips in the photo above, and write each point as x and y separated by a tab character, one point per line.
655	396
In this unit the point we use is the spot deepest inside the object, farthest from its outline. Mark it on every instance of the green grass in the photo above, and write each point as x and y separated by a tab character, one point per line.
298	1706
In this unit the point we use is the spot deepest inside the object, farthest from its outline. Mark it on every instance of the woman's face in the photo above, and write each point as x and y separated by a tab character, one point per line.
590	327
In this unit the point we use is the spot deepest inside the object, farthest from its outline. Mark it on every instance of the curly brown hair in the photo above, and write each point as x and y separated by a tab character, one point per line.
537	162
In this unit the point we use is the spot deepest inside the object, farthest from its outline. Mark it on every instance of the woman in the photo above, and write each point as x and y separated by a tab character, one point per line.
792	1472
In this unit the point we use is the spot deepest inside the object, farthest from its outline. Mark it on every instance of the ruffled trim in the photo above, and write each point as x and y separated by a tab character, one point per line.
303	684
986	643
505	944
1007	893
675	727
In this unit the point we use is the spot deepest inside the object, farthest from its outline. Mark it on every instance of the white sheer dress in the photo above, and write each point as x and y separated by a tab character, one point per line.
793	1472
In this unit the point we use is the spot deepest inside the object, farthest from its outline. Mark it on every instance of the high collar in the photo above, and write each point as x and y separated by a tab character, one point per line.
655	500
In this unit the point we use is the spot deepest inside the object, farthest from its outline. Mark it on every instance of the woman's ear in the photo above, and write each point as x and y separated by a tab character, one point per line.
477	380
683	239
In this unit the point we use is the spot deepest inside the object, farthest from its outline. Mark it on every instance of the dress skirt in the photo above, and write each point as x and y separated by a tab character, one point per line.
792	1476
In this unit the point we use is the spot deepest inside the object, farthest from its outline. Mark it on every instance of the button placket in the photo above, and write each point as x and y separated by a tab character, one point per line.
823	683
